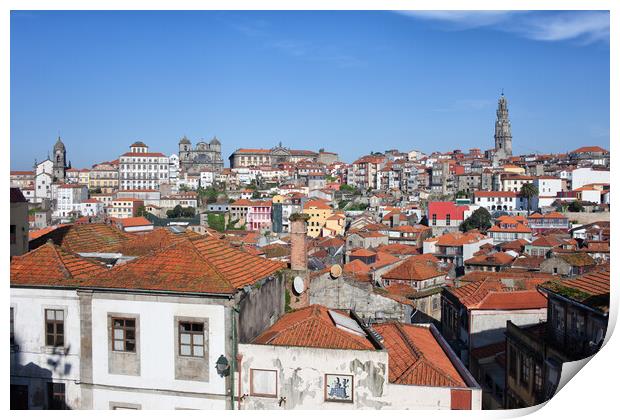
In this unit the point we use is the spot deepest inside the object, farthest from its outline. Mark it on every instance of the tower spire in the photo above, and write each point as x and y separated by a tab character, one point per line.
503	132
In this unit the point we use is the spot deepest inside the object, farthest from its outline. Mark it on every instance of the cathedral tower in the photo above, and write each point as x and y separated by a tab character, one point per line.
60	161
503	135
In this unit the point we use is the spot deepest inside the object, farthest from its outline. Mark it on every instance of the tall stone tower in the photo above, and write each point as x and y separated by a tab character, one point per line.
503	135
60	161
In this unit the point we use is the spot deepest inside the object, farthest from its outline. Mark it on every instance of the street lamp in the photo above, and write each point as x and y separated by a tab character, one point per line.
222	366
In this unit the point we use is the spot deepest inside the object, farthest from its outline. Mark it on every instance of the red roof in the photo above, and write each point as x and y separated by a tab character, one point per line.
201	264
50	265
312	327
133	221
494	294
416	358
444	208
415	268
590	149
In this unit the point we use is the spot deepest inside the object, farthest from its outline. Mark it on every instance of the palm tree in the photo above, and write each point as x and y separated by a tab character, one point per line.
528	191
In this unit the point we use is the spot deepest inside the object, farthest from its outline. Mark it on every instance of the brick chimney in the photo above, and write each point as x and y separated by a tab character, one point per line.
299	250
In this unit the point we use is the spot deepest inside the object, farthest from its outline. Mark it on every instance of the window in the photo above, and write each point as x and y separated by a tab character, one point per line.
447	220
13	234
524	377
538	378
434	219
54	327
263	383
56	396
191	339
124	334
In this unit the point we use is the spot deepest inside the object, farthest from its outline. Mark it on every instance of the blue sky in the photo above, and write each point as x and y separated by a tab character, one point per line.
351	82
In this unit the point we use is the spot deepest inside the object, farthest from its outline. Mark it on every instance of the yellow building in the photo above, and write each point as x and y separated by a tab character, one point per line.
514	169
278	199
103	176
84	177
319	212
335	224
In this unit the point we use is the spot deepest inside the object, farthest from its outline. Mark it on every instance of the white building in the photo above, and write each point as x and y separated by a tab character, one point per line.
173	173
91	207
206	179
502	201
140	169
584	176
68	199
124	207
548	189
346	366
142	335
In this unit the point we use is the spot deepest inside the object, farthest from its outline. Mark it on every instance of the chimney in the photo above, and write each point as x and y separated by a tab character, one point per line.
299	251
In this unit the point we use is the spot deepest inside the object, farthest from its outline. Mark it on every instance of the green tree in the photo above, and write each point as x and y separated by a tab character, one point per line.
528	191
480	219
141	211
256	195
575	206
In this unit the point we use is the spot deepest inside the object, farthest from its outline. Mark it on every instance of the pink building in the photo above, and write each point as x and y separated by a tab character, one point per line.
259	215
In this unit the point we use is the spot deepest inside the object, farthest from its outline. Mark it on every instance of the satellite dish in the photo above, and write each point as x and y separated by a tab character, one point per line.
335	271
298	285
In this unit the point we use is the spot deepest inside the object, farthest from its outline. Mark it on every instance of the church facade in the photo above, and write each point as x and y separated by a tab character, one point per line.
204	157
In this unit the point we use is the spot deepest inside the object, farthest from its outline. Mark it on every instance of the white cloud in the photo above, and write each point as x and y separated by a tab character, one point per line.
585	27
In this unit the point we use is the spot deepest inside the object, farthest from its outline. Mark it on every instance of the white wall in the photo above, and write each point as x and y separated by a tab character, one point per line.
34	358
488	326
157	354
301	376
583	176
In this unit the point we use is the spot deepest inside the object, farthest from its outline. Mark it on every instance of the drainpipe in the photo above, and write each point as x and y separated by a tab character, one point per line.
239	359
234	311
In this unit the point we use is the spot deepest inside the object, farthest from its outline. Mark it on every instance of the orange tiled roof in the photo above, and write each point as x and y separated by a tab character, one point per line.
517	228
415	268
201	264
416	358
459	238
319	204
143	244
91	237
398	249
133	221
383	259
497	258
594	283
492	293
312	327
590	149
50	264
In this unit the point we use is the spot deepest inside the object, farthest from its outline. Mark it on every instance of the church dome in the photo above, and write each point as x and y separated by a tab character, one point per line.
214	140
184	140
138	144
59	145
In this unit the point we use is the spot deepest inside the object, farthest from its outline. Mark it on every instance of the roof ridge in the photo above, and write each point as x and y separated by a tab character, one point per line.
63	266
407	340
206	260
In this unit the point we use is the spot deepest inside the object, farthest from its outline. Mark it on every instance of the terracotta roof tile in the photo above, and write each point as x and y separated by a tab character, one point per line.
51	265
91	237
416	358
415	268
312	327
